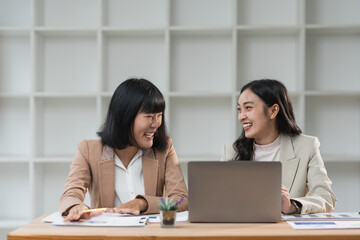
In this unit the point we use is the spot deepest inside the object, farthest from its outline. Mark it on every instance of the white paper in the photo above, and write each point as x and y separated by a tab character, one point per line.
322	216
107	220
56	216
154	218
324	224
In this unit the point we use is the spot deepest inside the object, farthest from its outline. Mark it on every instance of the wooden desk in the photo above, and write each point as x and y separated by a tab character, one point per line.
184	230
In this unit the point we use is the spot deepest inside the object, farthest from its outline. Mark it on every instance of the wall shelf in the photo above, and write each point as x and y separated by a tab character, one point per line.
60	62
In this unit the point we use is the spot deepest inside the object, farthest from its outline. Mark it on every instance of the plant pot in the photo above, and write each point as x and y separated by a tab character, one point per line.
168	219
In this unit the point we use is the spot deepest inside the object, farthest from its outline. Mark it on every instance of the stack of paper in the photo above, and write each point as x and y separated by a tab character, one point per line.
323	220
112	220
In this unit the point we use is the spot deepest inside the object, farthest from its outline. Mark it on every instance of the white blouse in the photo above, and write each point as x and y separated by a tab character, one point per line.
269	152
129	182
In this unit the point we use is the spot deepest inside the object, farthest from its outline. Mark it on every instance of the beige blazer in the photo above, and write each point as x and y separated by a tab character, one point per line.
302	169
93	169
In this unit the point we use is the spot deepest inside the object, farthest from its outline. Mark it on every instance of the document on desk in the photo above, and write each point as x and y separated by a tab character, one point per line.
104	220
324	224
322	216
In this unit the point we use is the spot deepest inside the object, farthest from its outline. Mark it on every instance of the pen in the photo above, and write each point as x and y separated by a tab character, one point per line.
93	210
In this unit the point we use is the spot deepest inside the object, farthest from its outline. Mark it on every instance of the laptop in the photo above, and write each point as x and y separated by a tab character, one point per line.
236	191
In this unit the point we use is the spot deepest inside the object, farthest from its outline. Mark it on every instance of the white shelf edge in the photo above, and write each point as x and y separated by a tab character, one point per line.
13	223
333	93
131	30
64	95
200	94
14	159
13	31
276	29
53	159
47	31
335	158
14	95
200	29
333	27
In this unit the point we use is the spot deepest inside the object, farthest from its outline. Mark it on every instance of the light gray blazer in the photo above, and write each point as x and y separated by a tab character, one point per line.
303	172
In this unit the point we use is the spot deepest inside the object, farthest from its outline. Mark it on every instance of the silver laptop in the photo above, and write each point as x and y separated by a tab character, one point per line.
237	191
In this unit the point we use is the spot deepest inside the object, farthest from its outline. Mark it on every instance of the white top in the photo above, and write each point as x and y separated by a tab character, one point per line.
269	152
129	182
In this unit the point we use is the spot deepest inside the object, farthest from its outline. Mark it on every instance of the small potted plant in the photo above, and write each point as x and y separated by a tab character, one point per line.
168	209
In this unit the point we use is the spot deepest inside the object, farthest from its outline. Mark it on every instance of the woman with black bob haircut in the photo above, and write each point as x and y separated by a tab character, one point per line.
270	133
134	162
131	97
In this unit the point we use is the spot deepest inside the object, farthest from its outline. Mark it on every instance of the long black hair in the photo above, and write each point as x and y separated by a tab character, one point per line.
131	97
271	92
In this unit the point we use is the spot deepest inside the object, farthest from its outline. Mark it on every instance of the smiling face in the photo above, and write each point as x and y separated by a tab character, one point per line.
258	120
144	128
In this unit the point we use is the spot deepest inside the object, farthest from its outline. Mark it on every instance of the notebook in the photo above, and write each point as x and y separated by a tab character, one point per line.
236	191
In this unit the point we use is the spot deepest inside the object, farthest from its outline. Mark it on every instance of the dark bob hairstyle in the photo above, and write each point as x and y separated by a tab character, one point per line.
130	98
271	92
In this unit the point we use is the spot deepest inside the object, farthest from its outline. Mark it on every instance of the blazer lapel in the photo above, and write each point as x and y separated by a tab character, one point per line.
288	160
107	177
150	168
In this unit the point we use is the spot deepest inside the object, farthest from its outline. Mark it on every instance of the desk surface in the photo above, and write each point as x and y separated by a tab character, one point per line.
184	230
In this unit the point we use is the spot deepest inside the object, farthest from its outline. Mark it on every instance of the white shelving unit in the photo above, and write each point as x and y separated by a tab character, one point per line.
61	60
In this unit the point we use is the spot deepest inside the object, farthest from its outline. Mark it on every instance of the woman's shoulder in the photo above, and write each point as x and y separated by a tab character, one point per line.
87	146
305	139
228	152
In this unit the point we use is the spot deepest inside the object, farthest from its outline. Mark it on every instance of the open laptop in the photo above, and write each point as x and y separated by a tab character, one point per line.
237	191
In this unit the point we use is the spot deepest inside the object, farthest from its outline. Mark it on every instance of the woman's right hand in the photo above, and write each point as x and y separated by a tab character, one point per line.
77	212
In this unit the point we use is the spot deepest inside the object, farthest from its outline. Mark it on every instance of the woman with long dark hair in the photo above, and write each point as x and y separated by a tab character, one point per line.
270	133
132	165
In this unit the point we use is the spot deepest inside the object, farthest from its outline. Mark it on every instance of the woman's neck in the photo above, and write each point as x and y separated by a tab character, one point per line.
126	154
268	138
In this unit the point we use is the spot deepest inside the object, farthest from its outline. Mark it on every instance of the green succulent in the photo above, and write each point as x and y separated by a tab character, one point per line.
167	204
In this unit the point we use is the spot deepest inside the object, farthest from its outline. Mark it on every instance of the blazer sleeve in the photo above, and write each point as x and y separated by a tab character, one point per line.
228	152
320	197
78	180
175	186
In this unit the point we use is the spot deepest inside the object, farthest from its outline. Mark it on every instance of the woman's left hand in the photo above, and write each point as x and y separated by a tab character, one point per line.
287	207
132	207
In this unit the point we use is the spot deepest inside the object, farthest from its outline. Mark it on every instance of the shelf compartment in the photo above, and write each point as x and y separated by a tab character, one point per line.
66	13
15	55
332	12
344	185
268	55
14	178
49	184
335	121
15	13
135	13
326	53
14	124
212	113
265	12
61	123
212	12
136	54
66	63
201	62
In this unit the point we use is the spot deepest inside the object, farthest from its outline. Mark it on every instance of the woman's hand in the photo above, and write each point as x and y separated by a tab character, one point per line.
76	213
132	207
287	207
